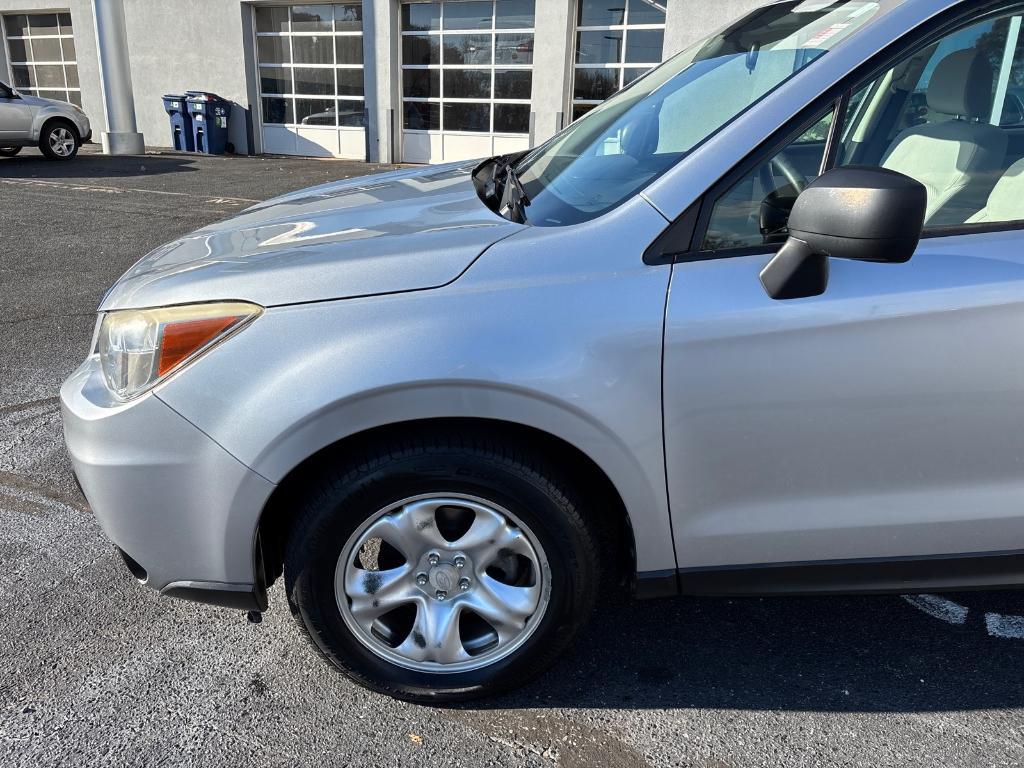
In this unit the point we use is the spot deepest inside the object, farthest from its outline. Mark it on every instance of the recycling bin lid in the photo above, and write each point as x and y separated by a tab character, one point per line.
175	96
197	96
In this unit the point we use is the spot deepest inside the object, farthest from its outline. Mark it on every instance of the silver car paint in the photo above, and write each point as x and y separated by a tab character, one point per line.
560	329
884	418
22	119
161	489
402	231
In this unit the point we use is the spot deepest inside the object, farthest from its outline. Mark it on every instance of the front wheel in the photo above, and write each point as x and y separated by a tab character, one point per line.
58	141
442	570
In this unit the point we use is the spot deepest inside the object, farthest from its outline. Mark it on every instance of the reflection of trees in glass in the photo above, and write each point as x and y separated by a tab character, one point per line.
993	44
467	49
596	83
419	50
817	132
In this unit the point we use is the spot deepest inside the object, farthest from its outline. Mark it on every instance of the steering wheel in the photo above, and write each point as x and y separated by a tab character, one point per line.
782	165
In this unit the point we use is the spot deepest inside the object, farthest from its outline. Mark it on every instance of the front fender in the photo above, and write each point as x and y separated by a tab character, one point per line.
48	113
564	337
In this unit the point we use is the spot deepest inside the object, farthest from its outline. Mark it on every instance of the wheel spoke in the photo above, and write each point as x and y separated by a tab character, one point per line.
490	536
504	607
419	517
435	634
374	593
395	530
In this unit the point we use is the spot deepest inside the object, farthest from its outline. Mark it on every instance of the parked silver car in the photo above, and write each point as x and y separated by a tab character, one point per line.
58	128
696	341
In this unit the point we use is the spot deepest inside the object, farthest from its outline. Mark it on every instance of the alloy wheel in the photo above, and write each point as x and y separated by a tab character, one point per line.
442	583
62	142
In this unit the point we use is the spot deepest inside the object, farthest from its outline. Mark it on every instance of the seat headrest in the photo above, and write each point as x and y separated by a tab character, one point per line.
962	85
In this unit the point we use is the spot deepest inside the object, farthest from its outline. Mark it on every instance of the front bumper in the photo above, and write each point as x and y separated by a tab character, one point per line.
175	502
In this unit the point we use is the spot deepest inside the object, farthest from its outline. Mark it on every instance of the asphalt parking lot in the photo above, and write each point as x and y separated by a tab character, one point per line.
95	670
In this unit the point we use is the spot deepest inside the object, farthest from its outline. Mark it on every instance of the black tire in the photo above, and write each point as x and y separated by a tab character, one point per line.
387	473
46	138
9	151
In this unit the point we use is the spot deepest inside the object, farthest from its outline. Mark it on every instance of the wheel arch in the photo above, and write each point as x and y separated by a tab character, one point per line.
47	119
605	501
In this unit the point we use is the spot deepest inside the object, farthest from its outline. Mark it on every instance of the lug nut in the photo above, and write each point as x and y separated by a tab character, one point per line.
460	562
433	559
463	584
441	594
421	579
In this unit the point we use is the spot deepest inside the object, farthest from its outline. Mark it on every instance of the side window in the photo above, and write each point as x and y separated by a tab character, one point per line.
755	210
950	115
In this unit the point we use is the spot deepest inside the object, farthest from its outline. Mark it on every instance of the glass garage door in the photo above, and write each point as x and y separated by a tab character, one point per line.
467	78
310	70
616	42
41	52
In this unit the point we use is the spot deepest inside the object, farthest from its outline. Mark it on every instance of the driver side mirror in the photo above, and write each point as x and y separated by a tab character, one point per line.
858	213
8	93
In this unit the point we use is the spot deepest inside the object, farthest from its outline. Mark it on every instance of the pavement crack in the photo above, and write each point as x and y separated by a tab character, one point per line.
19	483
18	407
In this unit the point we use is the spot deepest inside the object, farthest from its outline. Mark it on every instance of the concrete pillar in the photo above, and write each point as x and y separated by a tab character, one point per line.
552	68
122	136
382	74
688	21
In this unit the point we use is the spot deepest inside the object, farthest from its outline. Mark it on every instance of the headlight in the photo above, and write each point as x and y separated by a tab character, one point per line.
138	348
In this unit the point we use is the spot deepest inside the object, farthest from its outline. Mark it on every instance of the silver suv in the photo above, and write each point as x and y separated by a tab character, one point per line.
696	342
58	128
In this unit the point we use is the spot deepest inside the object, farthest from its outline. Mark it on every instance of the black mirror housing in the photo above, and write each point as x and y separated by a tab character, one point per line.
859	213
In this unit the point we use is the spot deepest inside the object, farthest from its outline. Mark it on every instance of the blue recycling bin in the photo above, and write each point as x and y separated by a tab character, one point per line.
181	122
209	114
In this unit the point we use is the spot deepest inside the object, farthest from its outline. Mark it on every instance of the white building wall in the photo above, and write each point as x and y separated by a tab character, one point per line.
552	67
382	78
179	45
687	21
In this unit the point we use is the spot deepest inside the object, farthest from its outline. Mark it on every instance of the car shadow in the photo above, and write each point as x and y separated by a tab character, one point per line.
31	164
859	654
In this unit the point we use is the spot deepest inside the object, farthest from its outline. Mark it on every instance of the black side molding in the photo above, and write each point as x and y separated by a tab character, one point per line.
932	573
245	598
652	584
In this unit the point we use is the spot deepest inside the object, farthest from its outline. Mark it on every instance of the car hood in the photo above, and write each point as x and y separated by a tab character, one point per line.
38	101
400	231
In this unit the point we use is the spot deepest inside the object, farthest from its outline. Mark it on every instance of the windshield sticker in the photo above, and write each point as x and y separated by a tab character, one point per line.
825	35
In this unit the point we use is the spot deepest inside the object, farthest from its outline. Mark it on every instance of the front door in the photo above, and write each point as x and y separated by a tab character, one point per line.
884	418
15	116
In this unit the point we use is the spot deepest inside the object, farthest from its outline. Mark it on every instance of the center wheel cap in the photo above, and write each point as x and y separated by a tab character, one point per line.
444	577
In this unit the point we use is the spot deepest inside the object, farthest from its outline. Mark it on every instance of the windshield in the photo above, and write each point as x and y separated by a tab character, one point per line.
617	149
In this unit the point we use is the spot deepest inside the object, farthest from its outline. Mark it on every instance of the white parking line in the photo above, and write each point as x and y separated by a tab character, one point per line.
939	607
996	624
1005	626
120	190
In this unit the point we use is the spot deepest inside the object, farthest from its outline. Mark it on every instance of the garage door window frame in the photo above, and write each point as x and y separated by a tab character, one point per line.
292	97
22	66
442	67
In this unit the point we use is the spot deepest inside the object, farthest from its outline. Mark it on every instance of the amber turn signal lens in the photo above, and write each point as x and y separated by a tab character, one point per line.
182	339
138	348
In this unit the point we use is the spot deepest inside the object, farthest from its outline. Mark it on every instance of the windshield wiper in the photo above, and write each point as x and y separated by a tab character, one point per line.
513	197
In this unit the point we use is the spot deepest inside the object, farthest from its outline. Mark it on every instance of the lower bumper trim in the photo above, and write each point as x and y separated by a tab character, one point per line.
241	597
